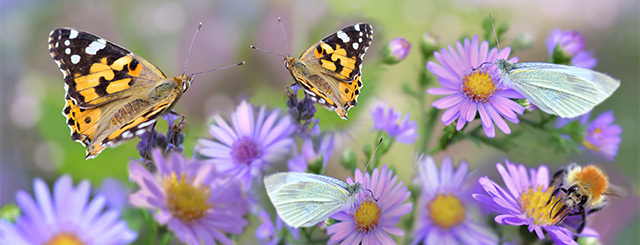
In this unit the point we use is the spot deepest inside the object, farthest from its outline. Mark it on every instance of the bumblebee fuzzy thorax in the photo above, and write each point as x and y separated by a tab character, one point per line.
590	181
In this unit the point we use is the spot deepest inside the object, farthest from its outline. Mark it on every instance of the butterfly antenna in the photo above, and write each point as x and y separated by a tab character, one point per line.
373	155
495	34
191	46
284	36
267	51
217	69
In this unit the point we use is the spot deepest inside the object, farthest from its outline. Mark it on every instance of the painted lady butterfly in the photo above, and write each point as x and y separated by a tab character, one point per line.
329	71
112	94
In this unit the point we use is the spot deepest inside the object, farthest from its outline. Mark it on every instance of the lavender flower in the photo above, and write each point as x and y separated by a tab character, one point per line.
314	157
191	198
396	50
270	233
444	215
602	136
171	142
114	192
470	87
567	47
525	202
67	217
302	110
370	221
249	144
388	120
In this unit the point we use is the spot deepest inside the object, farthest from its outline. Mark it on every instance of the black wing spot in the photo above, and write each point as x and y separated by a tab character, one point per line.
71	122
346	90
67	110
87	119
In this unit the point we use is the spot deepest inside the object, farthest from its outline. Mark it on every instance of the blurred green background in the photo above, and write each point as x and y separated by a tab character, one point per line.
35	140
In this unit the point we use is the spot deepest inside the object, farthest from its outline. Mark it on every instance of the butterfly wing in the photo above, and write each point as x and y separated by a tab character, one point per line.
303	199
97	71
565	91
335	64
108	89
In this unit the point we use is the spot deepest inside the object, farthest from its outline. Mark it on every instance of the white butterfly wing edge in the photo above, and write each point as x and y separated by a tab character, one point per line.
303	199
566	91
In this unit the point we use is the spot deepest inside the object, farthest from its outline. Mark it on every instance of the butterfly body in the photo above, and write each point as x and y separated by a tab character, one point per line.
566	91
112	94
329	71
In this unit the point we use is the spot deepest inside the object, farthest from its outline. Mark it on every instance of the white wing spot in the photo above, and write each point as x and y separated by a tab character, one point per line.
140	131
145	124
343	36
67	42
361	33
127	134
75	59
95	46
73	34
357	27
67	51
355	45
359	40
322	101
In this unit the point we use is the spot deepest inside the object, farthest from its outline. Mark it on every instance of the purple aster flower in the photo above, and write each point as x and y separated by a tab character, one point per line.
567	47
66	217
250	143
389	121
602	136
191	198
370	221
471	87
444	215
525	202
396	50
268	233
310	156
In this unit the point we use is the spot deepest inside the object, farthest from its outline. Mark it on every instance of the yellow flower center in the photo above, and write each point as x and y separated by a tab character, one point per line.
478	86
534	203
446	211
64	238
186	201
367	216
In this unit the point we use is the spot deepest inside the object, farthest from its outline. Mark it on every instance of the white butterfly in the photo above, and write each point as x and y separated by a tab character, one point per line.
304	199
566	91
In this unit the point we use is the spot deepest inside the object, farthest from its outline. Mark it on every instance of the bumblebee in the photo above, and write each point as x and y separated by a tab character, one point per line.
586	190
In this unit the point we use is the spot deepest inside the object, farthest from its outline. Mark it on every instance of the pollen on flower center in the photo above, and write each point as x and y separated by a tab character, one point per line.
245	150
367	216
184	200
478	86
64	238
446	211
534	203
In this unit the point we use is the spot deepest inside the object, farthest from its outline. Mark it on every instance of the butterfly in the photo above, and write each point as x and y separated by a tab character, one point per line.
112	94
329	71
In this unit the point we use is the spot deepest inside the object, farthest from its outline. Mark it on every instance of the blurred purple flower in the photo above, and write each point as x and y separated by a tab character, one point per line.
444	215
267	233
309	155
191	198
602	136
525	203
396	50
567	47
388	120
114	192
470	87
370	221
249	144
66	217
